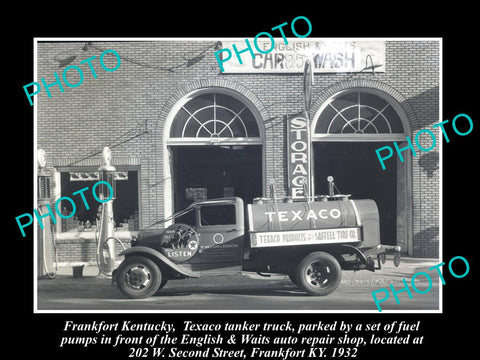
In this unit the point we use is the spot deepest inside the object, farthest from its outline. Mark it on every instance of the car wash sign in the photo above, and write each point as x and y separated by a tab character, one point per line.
298	153
328	56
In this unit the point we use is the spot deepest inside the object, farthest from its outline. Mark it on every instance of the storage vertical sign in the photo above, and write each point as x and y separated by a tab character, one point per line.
298	153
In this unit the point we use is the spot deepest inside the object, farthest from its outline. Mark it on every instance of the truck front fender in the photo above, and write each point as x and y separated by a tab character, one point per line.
144	250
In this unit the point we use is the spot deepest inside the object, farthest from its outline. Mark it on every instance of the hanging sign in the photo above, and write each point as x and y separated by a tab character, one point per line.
327	56
298	156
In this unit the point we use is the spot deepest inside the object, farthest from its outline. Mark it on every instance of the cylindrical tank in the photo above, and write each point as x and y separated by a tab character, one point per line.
316	215
302	215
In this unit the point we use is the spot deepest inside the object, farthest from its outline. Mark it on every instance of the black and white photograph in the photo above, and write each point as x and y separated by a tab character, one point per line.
258	187
167	167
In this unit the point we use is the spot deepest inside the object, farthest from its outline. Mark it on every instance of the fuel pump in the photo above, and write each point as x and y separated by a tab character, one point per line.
45	240
106	240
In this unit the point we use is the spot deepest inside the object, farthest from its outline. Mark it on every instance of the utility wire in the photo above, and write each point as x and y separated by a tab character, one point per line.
133	134
188	61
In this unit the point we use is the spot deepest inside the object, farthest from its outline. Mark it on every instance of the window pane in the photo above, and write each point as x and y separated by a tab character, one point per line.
345	101
217	215
214	114
349	113
178	123
125	205
372	100
394	120
324	120
187	218
250	122
229	102
199	102
359	113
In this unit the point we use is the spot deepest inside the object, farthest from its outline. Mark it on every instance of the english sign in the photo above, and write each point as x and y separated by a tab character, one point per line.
328	56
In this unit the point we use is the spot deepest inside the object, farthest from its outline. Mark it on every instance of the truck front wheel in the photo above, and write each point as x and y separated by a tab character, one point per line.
319	273
138	277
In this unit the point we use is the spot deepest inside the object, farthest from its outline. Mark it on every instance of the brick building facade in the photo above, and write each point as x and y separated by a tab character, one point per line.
144	111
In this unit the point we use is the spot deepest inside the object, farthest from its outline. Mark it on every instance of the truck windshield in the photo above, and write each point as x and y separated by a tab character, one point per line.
186	218
217	214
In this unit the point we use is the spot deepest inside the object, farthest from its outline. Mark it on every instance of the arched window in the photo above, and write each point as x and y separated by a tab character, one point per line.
214	115
359	113
213	146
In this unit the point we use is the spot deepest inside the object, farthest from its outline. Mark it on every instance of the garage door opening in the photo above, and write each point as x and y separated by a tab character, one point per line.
214	148
207	172
356	171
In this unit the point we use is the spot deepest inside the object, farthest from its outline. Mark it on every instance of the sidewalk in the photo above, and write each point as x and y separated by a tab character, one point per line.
389	274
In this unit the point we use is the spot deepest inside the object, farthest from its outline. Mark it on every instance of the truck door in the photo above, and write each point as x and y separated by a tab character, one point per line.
221	230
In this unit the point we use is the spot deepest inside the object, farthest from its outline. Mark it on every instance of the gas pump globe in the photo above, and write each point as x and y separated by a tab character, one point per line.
106	244
107	174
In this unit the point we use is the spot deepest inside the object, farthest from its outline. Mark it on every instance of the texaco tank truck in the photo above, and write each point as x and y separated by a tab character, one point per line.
310	241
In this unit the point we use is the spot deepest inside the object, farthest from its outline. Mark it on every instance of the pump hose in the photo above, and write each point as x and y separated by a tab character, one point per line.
100	257
51	275
100	245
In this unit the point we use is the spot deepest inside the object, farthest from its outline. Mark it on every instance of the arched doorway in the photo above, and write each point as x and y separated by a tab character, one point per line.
346	131
215	144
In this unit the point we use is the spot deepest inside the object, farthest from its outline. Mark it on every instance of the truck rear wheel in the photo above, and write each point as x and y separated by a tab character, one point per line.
293	277
138	277
319	273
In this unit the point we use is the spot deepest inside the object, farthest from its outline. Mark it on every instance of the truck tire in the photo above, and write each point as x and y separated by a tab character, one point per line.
162	284
138	277
293	277
319	273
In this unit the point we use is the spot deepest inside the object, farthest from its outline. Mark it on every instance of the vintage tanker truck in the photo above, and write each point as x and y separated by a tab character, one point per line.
310	240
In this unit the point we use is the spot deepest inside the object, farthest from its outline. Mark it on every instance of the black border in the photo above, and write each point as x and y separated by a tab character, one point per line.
453	330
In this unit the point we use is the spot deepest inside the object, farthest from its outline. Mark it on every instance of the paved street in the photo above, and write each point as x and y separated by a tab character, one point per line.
273	295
